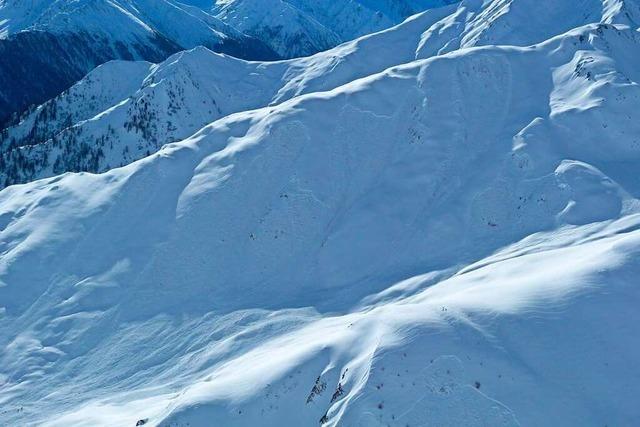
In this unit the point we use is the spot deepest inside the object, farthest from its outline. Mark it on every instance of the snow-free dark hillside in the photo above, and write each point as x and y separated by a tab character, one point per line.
65	57
47	46
449	239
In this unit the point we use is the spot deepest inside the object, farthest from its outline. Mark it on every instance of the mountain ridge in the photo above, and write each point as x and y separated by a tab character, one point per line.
445	235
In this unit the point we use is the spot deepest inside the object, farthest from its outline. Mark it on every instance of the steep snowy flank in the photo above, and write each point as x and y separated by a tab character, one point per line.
69	38
446	241
525	22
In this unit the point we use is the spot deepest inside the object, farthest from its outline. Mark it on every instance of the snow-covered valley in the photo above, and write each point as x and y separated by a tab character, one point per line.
433	225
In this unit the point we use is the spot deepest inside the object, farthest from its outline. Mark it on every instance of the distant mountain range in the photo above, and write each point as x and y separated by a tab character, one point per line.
68	38
303	27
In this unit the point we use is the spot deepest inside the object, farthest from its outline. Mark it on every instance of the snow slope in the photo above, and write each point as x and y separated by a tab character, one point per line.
448	241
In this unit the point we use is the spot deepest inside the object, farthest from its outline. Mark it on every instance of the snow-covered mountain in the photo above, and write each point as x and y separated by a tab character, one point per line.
69	38
123	111
148	107
302	27
443	234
